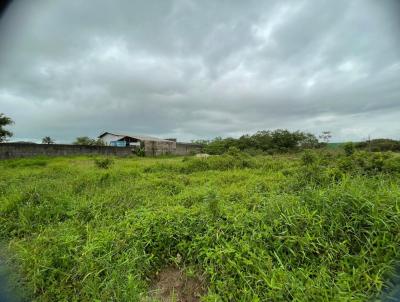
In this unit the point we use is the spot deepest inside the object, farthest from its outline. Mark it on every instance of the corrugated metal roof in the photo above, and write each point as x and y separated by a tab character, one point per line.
138	137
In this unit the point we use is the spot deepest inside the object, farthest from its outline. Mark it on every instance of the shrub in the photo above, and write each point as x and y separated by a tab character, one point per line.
333	174
139	152
368	163
213	204
227	162
104	163
308	158
195	165
349	148
379	145
253	151
233	151
392	165
185	159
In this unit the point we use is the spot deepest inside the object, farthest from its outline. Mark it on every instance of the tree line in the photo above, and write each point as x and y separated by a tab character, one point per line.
276	141
81	140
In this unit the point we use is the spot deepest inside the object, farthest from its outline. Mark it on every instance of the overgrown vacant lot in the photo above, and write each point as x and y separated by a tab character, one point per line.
237	228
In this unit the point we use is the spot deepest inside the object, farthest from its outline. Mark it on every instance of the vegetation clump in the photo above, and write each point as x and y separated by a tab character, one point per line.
139	152
103	163
349	148
379	145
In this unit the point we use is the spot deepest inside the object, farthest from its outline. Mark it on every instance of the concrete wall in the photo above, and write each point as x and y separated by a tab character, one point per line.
152	148
155	148
10	150
187	149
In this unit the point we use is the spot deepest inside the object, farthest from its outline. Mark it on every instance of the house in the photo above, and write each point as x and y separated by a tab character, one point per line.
152	146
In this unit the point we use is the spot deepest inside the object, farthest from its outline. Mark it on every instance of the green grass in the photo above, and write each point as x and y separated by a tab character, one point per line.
271	228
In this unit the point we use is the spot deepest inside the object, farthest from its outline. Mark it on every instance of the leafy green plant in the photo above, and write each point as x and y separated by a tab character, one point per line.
233	151
213	204
103	163
139	152
308	158
349	148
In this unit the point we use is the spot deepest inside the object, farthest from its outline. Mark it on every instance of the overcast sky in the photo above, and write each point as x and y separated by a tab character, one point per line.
200	69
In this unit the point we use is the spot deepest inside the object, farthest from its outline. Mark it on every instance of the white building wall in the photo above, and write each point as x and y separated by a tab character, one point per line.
109	138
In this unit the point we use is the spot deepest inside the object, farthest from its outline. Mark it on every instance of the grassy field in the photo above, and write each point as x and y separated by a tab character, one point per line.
311	227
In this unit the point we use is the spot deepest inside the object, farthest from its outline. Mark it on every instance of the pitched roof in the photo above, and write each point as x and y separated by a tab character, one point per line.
138	137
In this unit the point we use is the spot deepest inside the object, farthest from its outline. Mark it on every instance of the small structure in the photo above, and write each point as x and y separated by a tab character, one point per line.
152	146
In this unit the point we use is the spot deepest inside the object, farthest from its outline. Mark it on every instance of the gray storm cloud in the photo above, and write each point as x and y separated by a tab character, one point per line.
200	69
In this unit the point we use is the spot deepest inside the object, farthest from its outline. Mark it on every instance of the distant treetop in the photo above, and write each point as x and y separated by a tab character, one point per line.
85	140
47	140
5	121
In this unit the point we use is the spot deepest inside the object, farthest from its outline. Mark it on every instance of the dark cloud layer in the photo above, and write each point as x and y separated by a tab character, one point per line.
198	69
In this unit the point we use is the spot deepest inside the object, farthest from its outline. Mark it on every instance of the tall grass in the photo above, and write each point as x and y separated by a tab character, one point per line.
265	228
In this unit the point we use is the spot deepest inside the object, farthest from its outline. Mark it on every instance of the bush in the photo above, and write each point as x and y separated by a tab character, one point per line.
318	168
233	151
218	162
379	145
368	163
392	165
349	148
139	152
308	158
104	163
253	151
196	165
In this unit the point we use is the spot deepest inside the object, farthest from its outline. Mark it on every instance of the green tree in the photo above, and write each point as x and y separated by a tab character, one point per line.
245	142
262	140
5	121
85	140
309	141
47	140
284	140
326	136
216	146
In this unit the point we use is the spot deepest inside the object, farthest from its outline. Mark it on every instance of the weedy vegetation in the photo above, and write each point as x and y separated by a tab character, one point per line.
103	163
317	226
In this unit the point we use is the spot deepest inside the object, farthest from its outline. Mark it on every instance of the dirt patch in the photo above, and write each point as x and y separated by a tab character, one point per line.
172	284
